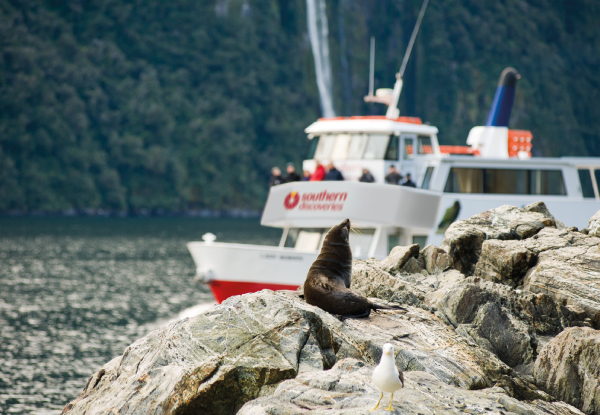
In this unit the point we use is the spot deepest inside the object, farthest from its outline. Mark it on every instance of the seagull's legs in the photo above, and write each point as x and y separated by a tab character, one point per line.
390	408
377	406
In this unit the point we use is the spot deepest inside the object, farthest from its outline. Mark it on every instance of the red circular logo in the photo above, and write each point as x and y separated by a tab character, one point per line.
291	200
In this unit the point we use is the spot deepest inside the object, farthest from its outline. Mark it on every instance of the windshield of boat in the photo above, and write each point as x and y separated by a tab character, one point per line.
355	147
311	239
505	181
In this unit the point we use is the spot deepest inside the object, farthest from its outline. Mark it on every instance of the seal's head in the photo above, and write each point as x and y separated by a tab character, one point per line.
339	233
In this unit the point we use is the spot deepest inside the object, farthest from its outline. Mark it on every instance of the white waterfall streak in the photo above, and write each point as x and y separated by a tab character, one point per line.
318	33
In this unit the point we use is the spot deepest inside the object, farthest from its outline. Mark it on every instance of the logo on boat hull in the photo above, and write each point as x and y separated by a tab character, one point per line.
323	201
291	200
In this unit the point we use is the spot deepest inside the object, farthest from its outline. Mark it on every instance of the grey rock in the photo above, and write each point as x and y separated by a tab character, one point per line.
593	228
504	261
398	257
435	259
568	367
413	266
347	389
463	239
475	310
568	270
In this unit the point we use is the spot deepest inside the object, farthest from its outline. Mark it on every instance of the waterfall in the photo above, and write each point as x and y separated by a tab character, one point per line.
318	33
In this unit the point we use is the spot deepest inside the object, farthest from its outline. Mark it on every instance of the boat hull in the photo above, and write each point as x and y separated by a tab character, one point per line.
234	269
222	289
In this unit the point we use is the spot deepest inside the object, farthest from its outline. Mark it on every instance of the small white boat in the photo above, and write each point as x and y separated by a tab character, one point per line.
453	182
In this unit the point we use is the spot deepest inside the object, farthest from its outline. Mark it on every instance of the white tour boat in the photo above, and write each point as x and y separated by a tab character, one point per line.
452	183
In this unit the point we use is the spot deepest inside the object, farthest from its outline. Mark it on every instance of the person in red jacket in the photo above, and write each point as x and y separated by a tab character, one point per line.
318	174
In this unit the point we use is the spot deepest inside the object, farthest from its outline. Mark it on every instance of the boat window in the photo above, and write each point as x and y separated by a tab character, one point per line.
597	174
312	148
340	148
408	149
425	146
393	241
376	146
420	239
393	149
427	178
304	239
360	243
505	181
585	178
325	147
357	146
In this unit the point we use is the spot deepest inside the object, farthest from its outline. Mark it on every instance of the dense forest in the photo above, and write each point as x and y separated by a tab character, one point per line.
127	105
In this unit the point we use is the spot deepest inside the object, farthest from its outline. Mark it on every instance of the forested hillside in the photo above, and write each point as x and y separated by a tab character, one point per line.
169	106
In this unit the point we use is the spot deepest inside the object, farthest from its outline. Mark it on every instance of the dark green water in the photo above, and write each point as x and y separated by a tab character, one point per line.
74	292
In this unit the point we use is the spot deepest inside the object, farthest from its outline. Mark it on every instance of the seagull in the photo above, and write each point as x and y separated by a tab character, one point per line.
386	376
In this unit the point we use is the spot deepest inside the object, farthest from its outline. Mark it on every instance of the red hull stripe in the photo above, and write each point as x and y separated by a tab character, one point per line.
222	290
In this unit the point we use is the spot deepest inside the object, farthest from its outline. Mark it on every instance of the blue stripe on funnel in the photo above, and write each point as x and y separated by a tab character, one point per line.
501	107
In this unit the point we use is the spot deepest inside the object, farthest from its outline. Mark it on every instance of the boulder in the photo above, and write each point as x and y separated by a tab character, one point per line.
504	261
482	312
568	270
347	389
413	266
464	239
435	259
593	228
568	367
398	257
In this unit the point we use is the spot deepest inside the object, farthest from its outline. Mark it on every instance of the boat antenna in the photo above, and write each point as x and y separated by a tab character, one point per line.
372	67
393	112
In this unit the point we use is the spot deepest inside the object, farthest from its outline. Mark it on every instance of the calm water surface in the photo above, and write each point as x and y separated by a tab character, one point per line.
74	292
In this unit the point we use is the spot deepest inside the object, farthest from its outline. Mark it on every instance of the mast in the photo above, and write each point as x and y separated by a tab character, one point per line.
393	112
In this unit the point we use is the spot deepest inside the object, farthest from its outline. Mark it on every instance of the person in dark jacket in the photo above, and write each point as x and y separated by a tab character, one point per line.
306	176
393	176
292	176
366	177
409	182
333	173
275	177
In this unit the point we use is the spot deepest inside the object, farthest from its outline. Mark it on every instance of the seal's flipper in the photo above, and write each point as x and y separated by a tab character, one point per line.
387	307
363	315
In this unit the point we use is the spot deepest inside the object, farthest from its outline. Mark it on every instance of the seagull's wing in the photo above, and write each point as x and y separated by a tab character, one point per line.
401	376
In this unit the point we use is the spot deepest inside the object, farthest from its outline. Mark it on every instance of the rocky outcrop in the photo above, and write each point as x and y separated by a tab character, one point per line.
216	362
347	389
529	250
464	239
469	337
504	261
569	368
568	270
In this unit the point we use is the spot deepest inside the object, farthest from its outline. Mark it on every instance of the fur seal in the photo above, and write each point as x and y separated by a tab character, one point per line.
329	277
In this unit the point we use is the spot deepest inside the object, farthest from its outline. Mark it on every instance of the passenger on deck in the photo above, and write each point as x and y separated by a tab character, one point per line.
318	174
276	177
292	176
306	176
408	181
333	173
366	177
393	176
